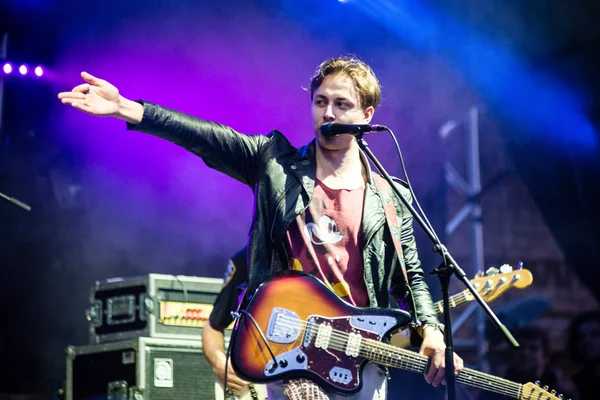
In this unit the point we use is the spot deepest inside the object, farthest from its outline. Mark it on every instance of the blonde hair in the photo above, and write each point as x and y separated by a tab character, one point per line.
363	77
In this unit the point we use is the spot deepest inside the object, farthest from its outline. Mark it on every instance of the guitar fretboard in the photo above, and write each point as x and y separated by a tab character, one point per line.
460	298
385	354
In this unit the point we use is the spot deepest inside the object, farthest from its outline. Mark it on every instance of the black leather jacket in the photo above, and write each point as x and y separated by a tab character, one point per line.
282	179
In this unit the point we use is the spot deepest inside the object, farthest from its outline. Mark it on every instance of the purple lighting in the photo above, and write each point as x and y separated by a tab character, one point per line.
38	71
7	68
23	69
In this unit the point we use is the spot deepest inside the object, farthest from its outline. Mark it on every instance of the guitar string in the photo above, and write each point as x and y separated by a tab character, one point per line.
340	340
501	385
455	301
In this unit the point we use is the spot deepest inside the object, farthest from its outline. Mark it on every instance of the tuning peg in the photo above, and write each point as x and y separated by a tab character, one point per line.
553	392
546	387
561	397
520	265
492	271
537	383
505	268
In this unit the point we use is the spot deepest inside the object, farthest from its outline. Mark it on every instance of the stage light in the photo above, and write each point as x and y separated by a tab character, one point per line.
24	69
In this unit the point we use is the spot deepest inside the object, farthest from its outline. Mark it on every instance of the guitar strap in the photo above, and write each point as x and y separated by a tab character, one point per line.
391	217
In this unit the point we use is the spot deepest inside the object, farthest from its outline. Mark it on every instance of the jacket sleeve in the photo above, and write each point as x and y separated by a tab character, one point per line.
423	304
227	300
219	146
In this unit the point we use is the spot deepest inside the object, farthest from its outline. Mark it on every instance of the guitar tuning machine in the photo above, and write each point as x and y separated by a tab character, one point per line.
505	268
488	285
520	265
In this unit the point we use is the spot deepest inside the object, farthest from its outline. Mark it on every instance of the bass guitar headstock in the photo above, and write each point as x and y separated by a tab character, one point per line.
497	281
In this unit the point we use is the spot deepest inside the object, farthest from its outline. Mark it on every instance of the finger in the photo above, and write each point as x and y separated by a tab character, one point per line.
83	88
71	95
459	364
82	107
236	380
91	79
439	377
432	371
236	387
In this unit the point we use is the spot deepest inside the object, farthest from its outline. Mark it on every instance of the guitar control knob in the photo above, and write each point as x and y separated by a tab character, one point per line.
283	363
300	358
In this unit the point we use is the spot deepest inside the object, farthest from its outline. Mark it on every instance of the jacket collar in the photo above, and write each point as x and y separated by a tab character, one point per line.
307	153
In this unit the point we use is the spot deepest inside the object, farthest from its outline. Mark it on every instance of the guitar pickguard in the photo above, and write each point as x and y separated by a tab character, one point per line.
330	347
378	324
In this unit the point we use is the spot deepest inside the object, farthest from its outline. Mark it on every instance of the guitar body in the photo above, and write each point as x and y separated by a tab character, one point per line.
303	329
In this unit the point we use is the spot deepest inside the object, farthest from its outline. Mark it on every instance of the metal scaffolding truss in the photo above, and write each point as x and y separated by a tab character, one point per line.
471	188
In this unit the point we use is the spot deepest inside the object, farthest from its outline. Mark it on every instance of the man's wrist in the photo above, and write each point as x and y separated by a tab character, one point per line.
426	329
130	111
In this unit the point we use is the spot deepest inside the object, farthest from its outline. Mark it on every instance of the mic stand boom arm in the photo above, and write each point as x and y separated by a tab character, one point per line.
448	266
15	202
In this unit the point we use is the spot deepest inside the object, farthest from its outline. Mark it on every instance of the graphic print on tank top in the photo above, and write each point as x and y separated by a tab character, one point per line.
326	241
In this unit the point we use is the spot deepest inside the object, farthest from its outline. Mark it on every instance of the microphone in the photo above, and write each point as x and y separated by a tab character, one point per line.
331	129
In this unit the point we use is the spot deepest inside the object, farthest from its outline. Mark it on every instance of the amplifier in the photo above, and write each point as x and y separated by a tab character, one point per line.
139	369
154	305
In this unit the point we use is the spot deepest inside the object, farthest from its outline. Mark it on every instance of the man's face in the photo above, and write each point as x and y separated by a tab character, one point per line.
336	100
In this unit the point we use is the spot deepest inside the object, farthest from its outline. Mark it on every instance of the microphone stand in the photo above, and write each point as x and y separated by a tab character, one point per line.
444	271
15	202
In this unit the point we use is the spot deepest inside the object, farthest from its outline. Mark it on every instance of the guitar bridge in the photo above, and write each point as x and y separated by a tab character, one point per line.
283	327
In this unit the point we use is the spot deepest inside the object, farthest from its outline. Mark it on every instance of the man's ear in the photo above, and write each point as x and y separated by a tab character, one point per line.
368	114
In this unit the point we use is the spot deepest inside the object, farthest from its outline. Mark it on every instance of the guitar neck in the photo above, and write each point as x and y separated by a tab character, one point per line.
456	300
395	357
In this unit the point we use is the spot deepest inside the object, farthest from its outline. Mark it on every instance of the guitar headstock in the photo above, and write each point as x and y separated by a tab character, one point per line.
535	391
498	281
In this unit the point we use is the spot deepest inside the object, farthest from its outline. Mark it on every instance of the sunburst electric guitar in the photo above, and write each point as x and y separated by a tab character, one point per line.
294	326
489	287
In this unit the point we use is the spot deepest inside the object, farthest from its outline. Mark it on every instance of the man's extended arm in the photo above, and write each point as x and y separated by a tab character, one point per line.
220	147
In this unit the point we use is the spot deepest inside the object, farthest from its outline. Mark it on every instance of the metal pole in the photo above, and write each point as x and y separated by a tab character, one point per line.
474	177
